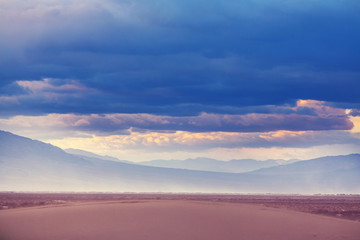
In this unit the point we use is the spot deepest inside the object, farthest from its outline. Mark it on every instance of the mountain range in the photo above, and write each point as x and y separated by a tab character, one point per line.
201	164
213	165
31	165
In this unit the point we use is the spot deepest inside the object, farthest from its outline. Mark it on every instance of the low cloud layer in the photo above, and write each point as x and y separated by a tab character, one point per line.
152	133
307	115
189	142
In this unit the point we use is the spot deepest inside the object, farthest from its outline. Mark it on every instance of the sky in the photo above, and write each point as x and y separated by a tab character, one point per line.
177	79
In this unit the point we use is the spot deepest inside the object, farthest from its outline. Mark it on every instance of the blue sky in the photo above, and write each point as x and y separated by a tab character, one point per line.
178	79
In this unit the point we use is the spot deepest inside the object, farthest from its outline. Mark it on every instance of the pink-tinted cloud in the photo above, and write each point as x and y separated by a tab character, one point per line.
47	93
49	88
323	117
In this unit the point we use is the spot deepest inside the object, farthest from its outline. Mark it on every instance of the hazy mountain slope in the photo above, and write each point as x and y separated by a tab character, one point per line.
326	174
318	165
28	165
208	164
92	155
201	164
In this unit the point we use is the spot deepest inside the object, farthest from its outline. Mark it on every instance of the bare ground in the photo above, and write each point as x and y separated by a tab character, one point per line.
160	217
339	206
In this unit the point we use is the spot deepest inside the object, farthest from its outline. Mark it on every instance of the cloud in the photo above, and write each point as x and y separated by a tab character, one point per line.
167	75
126	135
49	88
280	144
194	142
354	112
307	115
356	122
180	57
51	95
37	97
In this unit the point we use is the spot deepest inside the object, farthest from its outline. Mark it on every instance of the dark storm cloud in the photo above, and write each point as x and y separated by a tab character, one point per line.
119	124
211	122
178	57
355	112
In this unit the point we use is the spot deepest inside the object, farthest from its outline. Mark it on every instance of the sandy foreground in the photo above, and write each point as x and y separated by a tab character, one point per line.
170	220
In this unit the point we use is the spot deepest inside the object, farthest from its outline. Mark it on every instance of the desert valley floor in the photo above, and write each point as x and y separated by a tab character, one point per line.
178	216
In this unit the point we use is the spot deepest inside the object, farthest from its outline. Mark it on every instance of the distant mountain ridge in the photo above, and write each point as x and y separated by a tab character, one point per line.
83	153
201	164
209	164
30	165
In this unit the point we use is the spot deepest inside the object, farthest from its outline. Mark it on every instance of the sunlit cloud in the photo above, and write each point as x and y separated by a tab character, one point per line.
222	146
46	84
356	122
320	108
187	141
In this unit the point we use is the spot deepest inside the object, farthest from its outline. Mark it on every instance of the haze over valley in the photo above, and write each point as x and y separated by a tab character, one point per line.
30	165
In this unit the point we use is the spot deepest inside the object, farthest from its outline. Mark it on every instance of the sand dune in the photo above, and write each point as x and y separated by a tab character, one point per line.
165	220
